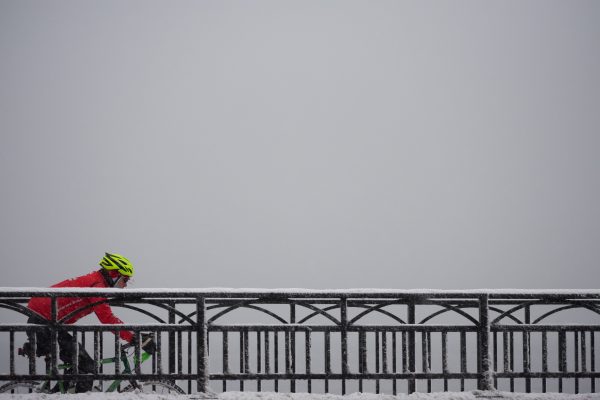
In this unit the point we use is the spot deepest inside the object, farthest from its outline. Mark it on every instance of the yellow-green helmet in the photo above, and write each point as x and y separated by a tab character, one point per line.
118	262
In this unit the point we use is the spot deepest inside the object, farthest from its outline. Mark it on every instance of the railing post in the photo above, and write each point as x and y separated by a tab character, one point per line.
292	353
171	337
202	351
483	352
54	336
344	332
412	384
12	354
527	350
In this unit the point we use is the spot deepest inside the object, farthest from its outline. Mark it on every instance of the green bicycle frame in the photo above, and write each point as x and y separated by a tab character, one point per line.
128	367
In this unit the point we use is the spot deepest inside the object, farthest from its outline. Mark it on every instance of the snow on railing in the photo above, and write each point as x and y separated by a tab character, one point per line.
344	341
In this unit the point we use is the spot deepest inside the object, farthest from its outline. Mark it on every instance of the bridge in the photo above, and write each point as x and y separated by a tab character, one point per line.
323	341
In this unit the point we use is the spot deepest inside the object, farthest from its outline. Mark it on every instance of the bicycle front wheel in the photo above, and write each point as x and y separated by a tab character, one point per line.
20	387
159	387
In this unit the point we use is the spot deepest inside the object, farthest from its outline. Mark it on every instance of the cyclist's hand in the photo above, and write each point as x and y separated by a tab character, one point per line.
148	344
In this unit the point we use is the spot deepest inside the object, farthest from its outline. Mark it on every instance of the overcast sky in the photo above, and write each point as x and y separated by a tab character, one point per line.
318	144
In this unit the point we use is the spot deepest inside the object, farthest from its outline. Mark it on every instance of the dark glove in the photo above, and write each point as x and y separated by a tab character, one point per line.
147	343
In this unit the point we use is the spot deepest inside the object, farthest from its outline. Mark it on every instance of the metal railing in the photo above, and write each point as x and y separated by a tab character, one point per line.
329	341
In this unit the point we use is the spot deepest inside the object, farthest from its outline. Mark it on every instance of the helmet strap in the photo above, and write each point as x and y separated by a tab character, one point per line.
107	279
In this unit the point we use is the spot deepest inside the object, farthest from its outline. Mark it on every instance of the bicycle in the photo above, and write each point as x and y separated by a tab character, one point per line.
127	357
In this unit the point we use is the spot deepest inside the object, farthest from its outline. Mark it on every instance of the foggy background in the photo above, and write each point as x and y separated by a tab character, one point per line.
317	144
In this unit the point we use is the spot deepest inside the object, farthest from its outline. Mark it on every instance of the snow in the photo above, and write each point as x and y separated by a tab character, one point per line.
301	291
475	395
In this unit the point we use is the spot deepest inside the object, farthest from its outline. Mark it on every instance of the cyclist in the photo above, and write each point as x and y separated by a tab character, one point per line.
115	273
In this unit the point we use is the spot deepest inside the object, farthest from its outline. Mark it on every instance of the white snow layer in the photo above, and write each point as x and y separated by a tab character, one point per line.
299	291
475	395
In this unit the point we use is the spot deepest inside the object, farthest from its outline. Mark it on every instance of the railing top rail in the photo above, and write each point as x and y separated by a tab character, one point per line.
546	294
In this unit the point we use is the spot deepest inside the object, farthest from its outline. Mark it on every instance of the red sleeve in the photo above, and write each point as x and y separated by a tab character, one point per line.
106	316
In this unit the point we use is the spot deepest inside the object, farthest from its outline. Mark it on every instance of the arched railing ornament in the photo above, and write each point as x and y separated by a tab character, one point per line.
377	308
448	308
173	310
142	311
18	308
318	311
510	316
515	309
112	302
244	304
575	305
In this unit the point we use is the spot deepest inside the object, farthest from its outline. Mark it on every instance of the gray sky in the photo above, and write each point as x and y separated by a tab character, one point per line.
319	144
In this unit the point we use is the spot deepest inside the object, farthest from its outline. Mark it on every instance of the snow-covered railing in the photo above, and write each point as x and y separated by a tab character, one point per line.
329	340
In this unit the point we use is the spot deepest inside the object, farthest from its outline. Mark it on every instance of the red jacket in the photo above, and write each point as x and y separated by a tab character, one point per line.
67	305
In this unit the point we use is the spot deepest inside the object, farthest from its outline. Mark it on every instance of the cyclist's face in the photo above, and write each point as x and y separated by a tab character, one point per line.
121	281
